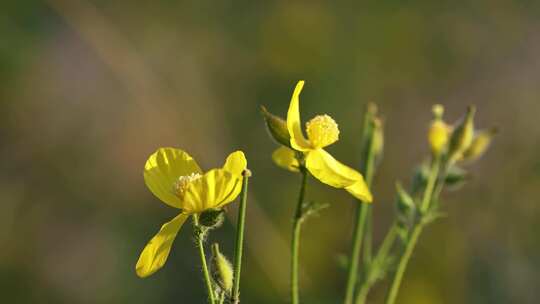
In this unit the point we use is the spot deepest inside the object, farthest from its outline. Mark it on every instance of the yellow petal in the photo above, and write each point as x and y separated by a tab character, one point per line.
162	170
286	159
236	163
155	254
331	172
361	191
214	189
294	125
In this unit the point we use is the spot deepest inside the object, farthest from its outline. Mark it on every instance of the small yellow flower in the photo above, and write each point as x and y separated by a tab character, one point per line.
321	131
174	177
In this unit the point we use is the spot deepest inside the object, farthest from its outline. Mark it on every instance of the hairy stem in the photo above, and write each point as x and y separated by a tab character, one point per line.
199	235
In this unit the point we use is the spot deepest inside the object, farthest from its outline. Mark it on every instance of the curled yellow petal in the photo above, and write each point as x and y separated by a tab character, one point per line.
330	171
214	189
294	125
361	191
155	254
286	159
236	163
163	169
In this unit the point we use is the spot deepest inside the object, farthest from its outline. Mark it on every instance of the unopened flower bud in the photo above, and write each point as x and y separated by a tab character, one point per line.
438	111
479	145
277	127
438	131
212	218
222	271
378	138
462	136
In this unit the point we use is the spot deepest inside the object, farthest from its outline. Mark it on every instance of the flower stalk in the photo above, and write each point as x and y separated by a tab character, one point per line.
199	238
295	242
235	296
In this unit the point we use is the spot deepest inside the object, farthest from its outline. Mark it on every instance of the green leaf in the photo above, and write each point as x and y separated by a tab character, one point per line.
456	177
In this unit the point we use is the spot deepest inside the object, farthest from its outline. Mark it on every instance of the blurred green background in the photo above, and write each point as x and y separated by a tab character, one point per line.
90	88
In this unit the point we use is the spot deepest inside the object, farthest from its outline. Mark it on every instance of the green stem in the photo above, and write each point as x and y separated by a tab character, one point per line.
432	180
221	298
381	255
415	233
355	253
368	236
403	261
200	244
295	243
235	296
362	223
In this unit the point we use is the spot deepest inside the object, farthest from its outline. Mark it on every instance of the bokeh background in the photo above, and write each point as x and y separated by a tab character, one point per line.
90	88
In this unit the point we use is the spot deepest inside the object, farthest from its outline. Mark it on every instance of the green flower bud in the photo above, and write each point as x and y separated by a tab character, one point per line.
462	136
479	145
378	138
438	132
277	127
222	271
212	218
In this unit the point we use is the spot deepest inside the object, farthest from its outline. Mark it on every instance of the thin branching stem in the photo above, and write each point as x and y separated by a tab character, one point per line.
416	231
382	255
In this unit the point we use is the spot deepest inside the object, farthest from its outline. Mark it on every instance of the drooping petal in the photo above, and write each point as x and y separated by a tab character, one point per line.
162	170
236	163
330	171
286	159
294	125
155	254
214	189
361	191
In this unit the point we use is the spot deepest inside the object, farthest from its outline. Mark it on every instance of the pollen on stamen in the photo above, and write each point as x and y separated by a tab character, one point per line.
322	131
180	186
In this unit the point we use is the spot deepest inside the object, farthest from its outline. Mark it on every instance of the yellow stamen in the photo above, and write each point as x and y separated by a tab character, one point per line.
180	186
322	131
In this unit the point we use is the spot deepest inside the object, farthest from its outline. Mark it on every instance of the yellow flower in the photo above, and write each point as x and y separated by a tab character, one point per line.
321	131
174	177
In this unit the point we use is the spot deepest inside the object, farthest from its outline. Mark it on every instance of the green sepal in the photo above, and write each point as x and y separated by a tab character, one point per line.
277	127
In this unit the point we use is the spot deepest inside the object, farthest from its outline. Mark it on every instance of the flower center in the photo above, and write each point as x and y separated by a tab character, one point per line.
322	130
180	186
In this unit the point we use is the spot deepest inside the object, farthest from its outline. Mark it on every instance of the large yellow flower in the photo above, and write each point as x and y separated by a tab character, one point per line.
321	131
174	177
